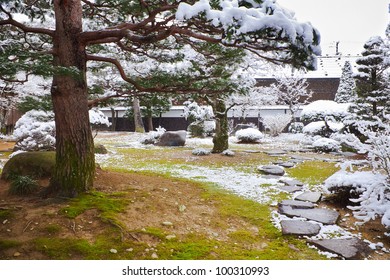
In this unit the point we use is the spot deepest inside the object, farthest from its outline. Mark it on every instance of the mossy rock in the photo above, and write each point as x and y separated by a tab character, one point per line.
32	164
100	149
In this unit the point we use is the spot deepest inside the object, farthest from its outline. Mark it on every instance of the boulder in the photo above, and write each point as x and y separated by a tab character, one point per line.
33	164
271	170
173	138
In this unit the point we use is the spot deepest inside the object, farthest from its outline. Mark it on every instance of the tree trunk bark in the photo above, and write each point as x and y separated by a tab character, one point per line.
114	118
139	125
75	160
150	123
221	136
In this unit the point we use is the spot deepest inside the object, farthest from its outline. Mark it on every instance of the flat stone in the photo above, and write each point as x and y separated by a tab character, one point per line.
290	189
300	158
173	138
324	216
295	204
296	227
310	196
287	164
291	182
274	153
351	248
271	170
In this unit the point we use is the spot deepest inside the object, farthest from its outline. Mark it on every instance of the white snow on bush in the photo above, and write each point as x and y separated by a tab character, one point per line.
315	128
326	145
322	108
97	117
374	199
35	130
249	135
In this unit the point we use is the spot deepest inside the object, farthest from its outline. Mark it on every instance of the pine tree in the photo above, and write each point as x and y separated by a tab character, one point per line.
346	92
372	78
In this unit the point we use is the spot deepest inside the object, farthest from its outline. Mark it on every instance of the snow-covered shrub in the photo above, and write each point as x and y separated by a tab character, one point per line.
35	131
322	128
325	110
201	152
369	192
97	118
195	112
153	136
350	143
277	123
326	145
296	127
249	135
201	128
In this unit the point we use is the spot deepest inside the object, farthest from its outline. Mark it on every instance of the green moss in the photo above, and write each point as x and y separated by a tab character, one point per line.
108	204
52	229
313	172
6	214
7	244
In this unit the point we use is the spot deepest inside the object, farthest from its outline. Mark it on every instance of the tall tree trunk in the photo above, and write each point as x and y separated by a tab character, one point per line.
75	160
139	125
221	136
114	118
150	123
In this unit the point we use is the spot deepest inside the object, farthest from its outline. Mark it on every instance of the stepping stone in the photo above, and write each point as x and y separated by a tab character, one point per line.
287	164
296	227
310	196
290	189
321	215
275	153
271	170
291	182
301	158
351	248
295	204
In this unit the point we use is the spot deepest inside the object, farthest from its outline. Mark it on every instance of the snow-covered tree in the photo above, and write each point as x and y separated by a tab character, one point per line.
346	92
59	38
373	79
291	91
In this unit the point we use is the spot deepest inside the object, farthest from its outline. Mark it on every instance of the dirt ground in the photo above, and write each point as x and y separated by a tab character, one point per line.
155	199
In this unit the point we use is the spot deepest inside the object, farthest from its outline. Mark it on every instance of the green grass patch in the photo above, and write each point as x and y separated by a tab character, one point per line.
313	172
52	229
6	214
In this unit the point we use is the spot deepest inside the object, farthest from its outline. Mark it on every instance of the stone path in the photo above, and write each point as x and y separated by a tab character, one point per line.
304	218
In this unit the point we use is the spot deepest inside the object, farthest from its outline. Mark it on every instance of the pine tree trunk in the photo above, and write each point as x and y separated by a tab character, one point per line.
221	136
139	125
75	160
150	123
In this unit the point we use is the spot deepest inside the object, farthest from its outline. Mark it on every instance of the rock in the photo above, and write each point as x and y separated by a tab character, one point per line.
291	182
325	216
310	196
296	227
271	170
182	208
297	204
170	236
300	158
276	153
168	224
351	249
173	138
154	256
100	149
290	189
113	251
17	254
32	164
287	164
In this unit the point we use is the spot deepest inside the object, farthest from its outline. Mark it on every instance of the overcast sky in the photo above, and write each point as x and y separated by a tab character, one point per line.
351	22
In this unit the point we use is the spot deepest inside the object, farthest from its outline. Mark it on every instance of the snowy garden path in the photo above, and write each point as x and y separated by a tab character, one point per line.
251	185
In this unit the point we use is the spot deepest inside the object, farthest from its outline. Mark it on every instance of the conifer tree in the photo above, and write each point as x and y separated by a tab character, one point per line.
346	91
